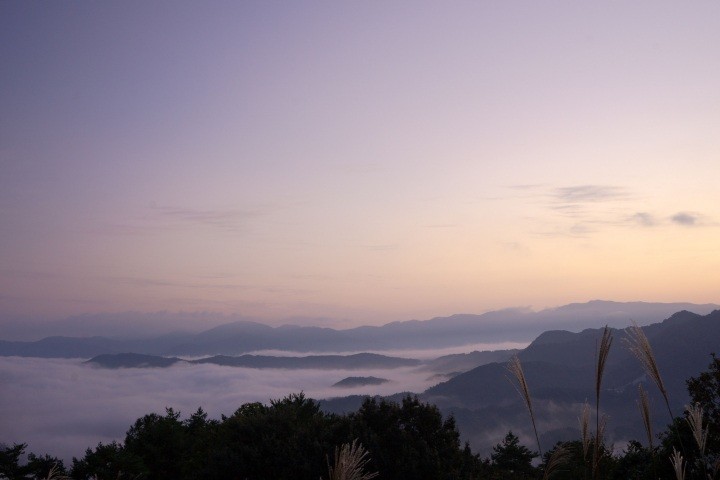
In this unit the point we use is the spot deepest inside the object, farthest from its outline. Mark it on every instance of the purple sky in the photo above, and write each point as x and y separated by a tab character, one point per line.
368	161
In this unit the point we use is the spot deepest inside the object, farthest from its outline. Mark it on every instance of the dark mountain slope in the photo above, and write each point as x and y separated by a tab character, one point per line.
559	368
462	362
350	382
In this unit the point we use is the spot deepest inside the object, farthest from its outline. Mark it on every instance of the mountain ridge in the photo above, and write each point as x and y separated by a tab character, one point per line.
562	379
246	336
317	362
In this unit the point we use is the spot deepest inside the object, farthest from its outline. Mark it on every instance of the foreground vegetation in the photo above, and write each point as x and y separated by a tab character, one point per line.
293	438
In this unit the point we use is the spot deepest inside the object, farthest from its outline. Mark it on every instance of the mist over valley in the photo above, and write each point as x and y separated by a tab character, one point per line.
63	405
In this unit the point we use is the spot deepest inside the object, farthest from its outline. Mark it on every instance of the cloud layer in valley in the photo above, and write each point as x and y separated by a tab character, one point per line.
61	407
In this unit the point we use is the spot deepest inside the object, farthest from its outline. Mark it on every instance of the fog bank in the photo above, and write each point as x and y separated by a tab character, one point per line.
61	407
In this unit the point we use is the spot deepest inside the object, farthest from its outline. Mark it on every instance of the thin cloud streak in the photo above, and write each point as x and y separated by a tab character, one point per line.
590	193
169	218
229	219
150	282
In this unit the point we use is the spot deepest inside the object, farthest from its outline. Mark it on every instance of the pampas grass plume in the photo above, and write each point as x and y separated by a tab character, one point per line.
350	462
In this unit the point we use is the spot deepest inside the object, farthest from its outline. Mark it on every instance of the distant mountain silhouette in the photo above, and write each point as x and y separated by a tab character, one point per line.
349	382
317	362
133	360
464	329
323	362
63	347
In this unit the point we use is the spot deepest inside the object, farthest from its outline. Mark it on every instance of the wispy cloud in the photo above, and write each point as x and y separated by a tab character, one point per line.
156	219
527	186
154	282
582	229
581	210
685	219
228	219
193	283
644	219
575	230
588	204
590	193
515	247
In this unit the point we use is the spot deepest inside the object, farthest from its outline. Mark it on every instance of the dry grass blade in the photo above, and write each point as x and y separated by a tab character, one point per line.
585	428
602	354
558	458
350	462
714	469
644	405
603	351
515	367
678	464
695	420
601	431
640	347
599	441
54	474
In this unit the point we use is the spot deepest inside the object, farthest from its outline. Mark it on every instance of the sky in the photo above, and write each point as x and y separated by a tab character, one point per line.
360	161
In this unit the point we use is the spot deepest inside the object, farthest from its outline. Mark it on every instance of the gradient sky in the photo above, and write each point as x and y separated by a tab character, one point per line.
367	161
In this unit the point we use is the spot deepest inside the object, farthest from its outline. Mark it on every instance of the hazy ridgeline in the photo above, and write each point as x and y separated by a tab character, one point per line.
62	406
88	336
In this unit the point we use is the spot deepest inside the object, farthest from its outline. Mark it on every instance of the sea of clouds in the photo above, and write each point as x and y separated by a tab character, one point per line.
61	407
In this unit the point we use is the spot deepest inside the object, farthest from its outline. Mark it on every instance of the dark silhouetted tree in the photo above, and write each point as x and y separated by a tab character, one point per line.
411	440
107	462
705	390
512	461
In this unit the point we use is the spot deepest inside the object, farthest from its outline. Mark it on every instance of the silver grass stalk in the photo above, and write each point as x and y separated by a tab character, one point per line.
640	347
714	468
599	439
602	355
53	474
350	462
515	367
603	425
603	352
678	464
585	428
644	405
558	458
119	477
695	420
